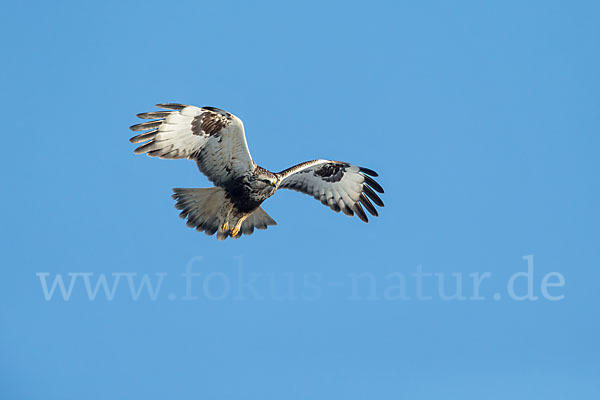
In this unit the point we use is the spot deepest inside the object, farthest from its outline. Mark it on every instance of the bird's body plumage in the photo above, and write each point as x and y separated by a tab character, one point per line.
215	139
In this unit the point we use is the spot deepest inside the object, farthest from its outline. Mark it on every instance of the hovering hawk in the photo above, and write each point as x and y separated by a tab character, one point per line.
215	139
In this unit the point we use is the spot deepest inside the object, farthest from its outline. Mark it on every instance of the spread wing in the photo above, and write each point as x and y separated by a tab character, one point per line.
212	137
339	185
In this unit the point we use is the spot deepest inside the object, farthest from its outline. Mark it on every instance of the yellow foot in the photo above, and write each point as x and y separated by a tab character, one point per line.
234	231
225	226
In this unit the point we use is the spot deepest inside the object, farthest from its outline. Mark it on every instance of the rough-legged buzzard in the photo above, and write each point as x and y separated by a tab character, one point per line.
215	139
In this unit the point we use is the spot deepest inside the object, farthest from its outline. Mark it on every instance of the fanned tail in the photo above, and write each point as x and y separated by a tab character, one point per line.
209	210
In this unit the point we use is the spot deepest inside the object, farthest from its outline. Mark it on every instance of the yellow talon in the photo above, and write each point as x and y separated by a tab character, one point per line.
225	226
234	231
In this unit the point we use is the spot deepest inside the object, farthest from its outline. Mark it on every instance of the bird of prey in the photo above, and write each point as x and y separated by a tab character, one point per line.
215	139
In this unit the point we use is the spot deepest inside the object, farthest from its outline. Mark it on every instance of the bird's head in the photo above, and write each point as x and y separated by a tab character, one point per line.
268	180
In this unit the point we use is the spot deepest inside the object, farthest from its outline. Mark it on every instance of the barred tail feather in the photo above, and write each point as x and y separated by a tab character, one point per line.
204	209
259	219
209	210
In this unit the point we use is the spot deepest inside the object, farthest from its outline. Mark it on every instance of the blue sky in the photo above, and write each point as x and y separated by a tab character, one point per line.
481	119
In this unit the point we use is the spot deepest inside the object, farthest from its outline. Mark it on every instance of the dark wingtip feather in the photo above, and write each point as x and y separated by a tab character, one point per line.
211	108
360	212
348	211
154	114
372	195
143	148
371	182
368	205
368	171
146	125
144	136
171	106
